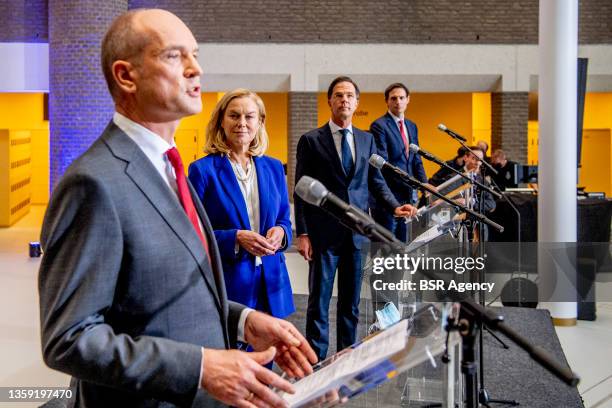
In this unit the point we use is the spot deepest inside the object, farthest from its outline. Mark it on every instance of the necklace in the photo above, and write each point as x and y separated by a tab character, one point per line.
241	174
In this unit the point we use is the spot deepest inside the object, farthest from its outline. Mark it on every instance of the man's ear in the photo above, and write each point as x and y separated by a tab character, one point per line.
124	74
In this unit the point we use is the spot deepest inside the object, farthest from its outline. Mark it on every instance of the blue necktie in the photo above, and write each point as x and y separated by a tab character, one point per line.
347	157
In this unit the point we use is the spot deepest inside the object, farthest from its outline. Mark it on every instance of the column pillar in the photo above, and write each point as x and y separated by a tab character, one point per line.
557	174
509	117
302	112
80	106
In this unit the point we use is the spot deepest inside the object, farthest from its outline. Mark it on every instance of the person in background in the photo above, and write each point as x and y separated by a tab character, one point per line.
506	169
443	173
245	195
132	299
337	154
471	167
484	146
393	134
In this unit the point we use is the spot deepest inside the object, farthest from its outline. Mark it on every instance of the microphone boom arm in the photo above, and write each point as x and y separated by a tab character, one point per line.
446	166
414	182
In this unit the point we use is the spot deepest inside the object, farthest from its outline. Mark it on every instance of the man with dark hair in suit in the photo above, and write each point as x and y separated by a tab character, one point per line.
393	134
337	155
132	297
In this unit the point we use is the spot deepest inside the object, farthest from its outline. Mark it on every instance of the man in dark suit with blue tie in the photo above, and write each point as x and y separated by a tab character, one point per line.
393	134
337	155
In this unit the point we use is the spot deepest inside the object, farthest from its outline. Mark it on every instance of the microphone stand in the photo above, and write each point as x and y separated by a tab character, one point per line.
454	170
411	181
483	395
471	317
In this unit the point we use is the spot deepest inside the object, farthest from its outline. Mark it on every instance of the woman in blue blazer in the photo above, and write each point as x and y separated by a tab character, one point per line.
245	196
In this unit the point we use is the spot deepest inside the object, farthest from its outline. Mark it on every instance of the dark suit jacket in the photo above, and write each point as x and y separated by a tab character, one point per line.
317	157
215	183
127	294
391	147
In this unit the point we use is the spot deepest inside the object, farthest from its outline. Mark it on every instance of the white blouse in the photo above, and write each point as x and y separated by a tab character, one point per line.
247	181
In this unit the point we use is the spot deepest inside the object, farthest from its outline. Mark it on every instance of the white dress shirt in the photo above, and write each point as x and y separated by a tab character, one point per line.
397	120
337	136
152	145
247	181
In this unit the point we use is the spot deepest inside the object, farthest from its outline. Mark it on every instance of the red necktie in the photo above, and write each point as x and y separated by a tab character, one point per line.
403	133
184	195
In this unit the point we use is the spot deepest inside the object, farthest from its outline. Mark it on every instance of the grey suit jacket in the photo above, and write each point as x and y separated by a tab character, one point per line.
127	296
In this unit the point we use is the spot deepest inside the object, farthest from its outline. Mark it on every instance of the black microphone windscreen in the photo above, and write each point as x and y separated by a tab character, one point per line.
377	161
311	190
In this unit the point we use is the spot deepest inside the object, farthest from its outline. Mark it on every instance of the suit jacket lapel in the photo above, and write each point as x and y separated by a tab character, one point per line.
410	140
215	275
360	149
232	189
147	179
327	140
398	136
263	185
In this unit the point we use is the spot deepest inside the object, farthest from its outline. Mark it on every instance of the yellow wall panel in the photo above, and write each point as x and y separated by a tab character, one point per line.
598	111
15	175
25	111
597	147
276	124
597	127
532	142
481	118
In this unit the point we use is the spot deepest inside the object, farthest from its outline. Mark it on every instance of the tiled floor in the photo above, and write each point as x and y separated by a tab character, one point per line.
588	346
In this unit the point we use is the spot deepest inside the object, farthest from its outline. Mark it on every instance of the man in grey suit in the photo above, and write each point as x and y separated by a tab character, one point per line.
132	299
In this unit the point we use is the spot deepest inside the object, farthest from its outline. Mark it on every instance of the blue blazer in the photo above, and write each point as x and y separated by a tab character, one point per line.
217	187
317	157
391	147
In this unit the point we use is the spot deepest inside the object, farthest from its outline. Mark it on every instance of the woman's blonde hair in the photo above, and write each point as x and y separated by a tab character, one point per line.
215	135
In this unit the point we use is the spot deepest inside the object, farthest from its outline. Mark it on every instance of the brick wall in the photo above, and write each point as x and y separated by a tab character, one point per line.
509	116
305	21
79	103
302	117
23	21
387	21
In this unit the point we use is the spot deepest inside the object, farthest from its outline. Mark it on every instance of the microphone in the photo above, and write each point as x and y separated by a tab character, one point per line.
416	149
452	134
314	192
380	163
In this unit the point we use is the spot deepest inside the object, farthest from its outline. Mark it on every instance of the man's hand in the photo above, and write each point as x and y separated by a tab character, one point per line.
275	237
405	210
460	201
238	378
304	247
294	355
254	243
